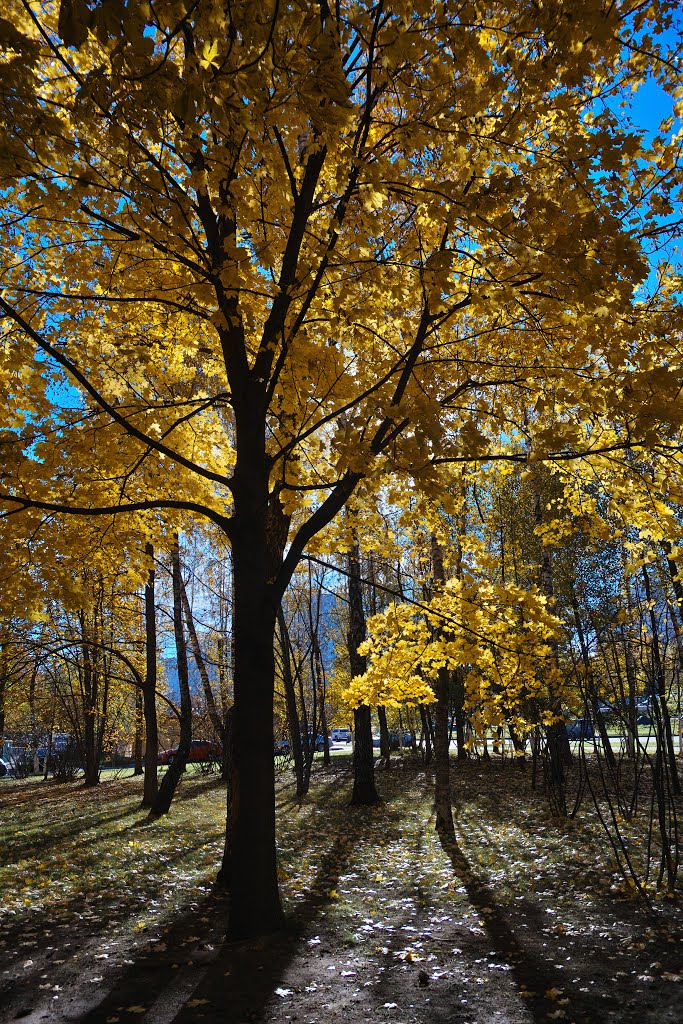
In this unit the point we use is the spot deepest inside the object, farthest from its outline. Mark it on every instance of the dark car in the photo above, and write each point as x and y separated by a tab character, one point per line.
580	729
281	747
200	750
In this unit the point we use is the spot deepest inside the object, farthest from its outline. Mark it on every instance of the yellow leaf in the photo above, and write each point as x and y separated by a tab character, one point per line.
209	54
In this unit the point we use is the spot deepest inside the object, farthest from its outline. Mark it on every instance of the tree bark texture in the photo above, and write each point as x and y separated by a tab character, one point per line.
290	704
364	791
176	768
591	692
661	709
559	751
257	531
149	692
384	744
137	744
214	716
442	759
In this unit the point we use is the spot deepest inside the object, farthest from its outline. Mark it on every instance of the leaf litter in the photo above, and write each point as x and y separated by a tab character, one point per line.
390	924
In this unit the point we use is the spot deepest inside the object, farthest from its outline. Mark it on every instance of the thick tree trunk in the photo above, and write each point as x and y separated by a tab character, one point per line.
164	797
257	530
250	869
149	692
364	791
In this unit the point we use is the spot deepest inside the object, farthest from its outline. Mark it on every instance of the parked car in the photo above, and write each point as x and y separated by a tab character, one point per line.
317	742
200	750
396	740
341	735
580	729
281	747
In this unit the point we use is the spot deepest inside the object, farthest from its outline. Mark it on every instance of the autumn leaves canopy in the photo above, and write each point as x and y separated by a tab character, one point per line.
254	254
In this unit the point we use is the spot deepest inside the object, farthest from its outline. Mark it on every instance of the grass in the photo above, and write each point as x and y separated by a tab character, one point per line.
66	851
62	847
82	875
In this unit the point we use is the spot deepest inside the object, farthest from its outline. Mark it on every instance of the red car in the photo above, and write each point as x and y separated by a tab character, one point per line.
200	750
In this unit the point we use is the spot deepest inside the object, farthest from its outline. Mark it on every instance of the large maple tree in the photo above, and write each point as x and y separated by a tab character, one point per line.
254	253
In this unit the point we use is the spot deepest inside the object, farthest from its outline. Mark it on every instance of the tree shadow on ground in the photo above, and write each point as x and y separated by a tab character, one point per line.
34	846
533	978
195	975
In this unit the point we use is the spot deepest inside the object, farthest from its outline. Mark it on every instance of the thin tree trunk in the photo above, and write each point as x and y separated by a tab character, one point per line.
290	704
214	716
677	623
149	691
384	742
90	679
33	717
442	777
426	733
364	791
169	782
319	684
679	650
660	690
591	694
4	672
137	743
630	668
559	751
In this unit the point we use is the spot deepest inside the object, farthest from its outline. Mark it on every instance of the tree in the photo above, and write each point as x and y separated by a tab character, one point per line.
364	791
280	251
162	801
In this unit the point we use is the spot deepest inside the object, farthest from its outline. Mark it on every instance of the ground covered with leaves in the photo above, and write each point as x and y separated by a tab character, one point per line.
522	919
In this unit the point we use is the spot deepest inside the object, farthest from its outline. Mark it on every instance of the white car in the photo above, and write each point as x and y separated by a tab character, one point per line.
341	735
